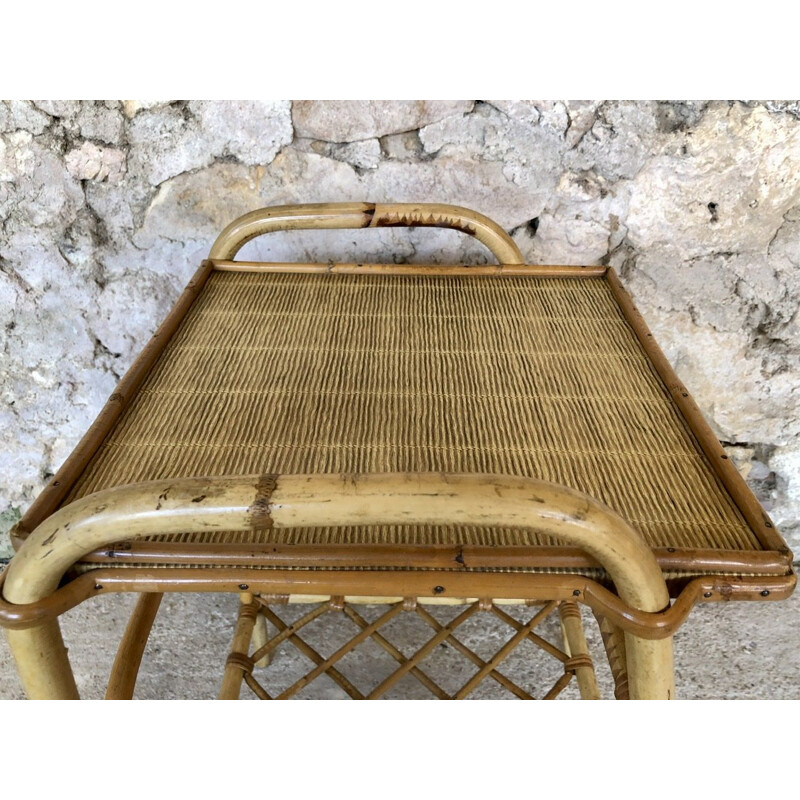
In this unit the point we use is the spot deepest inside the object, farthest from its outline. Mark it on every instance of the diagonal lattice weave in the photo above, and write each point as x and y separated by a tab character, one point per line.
443	634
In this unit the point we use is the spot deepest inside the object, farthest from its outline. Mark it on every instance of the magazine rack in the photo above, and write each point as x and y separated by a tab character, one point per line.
347	434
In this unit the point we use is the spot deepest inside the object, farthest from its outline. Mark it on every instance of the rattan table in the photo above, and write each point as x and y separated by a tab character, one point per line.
342	434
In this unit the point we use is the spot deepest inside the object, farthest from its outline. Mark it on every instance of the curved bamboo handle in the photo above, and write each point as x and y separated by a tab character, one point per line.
285	501
365	215
247	503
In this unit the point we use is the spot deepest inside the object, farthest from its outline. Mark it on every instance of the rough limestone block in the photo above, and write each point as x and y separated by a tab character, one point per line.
349	121
90	162
107	207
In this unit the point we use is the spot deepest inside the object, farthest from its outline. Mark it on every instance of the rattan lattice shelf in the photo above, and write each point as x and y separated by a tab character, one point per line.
414	434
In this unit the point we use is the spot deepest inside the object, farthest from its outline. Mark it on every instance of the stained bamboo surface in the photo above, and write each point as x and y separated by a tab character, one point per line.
531	376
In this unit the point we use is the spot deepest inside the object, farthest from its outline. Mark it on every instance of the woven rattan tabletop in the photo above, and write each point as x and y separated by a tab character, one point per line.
528	374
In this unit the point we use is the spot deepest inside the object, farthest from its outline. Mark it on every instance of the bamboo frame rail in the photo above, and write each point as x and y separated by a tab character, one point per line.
59	485
450	270
751	509
242	503
365	215
367	586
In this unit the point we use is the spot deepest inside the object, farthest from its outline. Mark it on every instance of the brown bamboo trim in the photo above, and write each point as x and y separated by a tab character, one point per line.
495	270
62	482
427	556
122	681
392	586
365	215
739	491
243	662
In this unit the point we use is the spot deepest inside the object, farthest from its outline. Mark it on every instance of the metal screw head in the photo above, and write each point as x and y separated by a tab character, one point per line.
765	593
438	589
244	587
707	594
576	593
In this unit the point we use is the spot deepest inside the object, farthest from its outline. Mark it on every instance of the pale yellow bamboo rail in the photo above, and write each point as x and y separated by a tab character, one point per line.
243	503
365	215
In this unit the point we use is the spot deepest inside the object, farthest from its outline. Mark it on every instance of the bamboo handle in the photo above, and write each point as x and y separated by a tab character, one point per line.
365	215
285	501
308	501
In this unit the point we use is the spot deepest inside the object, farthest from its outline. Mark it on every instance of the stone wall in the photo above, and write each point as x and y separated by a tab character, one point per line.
107	208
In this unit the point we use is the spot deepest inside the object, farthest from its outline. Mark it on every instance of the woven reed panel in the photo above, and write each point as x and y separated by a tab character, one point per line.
539	377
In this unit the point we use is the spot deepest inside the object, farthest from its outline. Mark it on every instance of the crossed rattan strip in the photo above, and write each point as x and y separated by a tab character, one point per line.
341	652
314	656
505	651
446	633
424	679
257	689
535	638
442	634
404	352
290	630
505	682
559	686
311	653
437	639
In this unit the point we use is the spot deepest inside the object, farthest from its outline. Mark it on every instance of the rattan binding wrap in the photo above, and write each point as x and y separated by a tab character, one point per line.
529	376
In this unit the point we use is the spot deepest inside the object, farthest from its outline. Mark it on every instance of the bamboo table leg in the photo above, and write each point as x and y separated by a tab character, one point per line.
614	643
575	643
42	662
232	679
131	649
